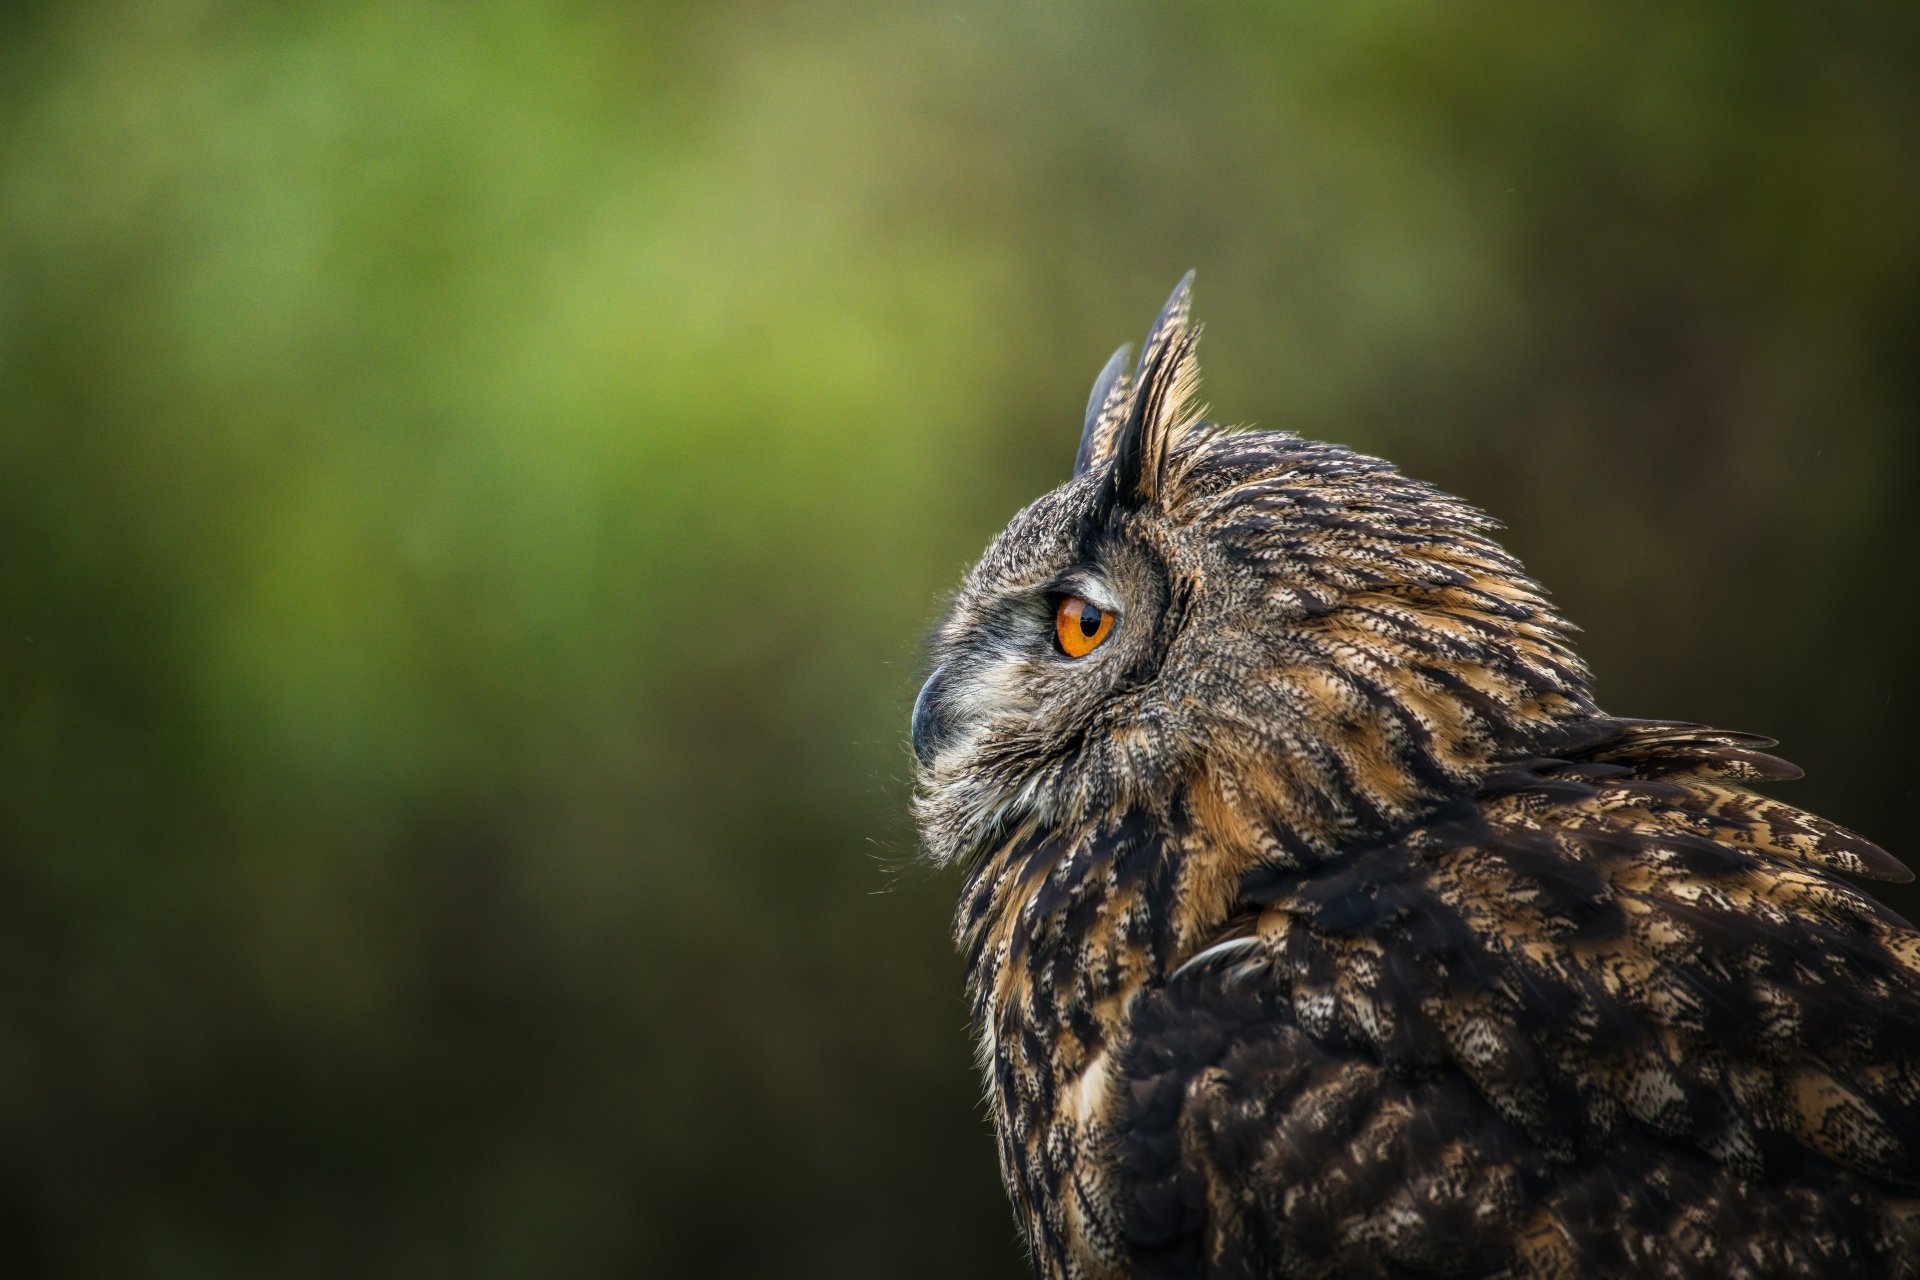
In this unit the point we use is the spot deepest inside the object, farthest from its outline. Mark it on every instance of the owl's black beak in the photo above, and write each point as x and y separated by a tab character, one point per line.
932	726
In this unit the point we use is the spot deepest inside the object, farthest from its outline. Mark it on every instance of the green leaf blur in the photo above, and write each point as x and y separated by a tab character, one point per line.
473	480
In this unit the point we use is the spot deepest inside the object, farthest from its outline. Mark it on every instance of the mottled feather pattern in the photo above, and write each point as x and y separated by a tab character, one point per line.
1620	1007
1320	924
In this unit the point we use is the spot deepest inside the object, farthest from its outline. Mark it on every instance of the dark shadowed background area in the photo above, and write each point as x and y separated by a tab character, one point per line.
474	479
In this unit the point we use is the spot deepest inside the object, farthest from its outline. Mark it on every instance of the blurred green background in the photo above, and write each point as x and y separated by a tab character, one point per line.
474	480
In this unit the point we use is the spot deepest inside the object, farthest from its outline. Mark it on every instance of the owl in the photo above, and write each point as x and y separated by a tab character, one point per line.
1318	923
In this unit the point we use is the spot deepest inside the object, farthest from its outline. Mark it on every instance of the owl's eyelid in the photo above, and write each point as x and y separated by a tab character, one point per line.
1088	588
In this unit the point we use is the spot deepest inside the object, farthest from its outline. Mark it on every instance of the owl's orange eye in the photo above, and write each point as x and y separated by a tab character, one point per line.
1079	627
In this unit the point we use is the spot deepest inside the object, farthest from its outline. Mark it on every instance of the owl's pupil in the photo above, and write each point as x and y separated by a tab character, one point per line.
1089	621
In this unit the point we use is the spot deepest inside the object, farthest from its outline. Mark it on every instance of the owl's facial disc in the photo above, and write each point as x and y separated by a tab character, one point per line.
1044	669
999	657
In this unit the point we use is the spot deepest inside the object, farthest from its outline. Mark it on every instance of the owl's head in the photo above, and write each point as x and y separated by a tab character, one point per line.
1287	634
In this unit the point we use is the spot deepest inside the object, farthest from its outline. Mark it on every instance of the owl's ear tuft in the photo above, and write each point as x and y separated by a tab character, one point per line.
1106	409
1154	423
1139	420
1116	391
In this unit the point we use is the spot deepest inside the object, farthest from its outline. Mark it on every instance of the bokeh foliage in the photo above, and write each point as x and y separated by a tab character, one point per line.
473	480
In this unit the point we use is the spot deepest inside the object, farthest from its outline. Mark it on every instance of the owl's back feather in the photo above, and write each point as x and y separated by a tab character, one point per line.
1611	1013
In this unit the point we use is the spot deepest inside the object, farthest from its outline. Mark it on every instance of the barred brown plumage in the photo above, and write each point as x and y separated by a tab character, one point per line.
1318	923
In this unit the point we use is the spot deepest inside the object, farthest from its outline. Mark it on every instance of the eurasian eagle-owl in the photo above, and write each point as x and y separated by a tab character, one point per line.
1318	923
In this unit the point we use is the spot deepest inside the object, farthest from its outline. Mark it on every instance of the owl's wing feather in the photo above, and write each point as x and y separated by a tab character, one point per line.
1613	1012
